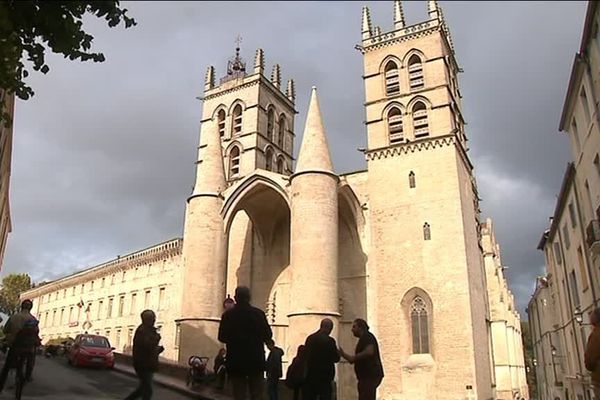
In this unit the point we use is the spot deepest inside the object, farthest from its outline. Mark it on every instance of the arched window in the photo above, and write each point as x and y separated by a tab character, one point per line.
426	231
415	73
281	137
221	122
419	325
392	81
270	123
411	180
269	159
237	120
420	120
280	165
234	162
395	125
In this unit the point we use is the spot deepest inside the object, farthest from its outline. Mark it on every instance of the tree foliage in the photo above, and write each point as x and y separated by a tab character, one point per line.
29	27
12	286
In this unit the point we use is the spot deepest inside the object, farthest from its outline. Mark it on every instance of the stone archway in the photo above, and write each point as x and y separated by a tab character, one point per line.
257	223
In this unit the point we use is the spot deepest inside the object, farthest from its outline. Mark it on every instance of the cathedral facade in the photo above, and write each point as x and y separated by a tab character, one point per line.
398	244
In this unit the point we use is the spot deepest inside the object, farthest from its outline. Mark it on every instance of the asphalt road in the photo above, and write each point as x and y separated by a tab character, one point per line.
53	379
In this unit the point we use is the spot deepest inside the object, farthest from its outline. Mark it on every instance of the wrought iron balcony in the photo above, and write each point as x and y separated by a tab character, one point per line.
593	236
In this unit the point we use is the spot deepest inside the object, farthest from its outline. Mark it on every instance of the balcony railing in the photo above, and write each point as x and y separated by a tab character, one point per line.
593	236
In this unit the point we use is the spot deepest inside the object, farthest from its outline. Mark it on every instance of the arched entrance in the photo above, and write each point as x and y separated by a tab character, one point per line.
257	226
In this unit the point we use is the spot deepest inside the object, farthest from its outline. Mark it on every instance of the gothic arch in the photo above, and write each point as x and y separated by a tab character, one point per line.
407	303
391	105
235	103
387	59
411	53
234	143
217	109
417	99
246	187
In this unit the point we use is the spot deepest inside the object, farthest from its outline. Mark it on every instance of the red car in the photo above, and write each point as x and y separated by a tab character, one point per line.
91	350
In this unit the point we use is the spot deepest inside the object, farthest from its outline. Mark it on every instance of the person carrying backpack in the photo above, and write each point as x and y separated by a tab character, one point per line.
22	338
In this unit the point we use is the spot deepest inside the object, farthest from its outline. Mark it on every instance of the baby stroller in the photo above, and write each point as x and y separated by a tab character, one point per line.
198	371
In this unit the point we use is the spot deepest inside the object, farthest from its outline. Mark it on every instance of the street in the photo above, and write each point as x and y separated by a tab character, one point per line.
53	379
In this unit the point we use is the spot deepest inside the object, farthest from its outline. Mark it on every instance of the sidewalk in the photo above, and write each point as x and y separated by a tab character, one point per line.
204	393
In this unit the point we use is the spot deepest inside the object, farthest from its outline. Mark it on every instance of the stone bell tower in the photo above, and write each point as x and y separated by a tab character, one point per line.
423	208
253	115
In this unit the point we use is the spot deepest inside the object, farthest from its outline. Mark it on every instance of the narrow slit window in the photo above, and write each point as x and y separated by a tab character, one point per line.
392	79
234	162
426	231
420	326
281	136
411	180
420	120
395	126
237	120
269	160
415	73
221	122
270	124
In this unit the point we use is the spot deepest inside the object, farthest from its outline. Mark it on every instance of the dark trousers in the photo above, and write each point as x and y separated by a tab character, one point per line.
10	362
313	390
144	389
367	388
273	388
252	382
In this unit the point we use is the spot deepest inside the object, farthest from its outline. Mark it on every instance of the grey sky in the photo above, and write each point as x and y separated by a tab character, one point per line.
103	153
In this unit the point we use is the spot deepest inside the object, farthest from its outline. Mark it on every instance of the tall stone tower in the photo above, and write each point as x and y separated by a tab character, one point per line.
254	116
247	124
429	273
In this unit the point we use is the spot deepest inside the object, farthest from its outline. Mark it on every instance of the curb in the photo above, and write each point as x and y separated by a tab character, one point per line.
158	380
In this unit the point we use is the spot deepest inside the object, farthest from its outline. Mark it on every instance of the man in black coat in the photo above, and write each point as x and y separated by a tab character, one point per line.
245	331
321	356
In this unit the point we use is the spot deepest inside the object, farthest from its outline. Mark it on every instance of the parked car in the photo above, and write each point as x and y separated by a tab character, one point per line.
91	350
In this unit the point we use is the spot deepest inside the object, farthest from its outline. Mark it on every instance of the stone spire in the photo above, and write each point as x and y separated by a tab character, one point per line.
276	76
366	23
398	15
432	9
314	152
291	91
210	178
209	78
259	61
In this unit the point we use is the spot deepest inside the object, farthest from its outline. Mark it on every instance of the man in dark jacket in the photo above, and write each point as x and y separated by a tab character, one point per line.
366	360
321	356
245	331
145	355
274	370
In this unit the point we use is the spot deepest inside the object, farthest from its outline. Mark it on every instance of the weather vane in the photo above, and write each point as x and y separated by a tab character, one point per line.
238	40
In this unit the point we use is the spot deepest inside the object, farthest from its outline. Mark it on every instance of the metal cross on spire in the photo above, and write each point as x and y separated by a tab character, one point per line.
238	41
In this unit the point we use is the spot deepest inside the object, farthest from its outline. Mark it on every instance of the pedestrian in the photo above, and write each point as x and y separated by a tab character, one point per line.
244	330
592	351
274	370
366	360
146	349
220	369
321	356
22	338
296	372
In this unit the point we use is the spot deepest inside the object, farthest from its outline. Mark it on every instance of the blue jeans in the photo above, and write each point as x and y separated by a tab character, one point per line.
144	389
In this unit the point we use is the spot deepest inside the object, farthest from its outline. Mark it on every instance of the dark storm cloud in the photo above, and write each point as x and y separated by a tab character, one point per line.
104	154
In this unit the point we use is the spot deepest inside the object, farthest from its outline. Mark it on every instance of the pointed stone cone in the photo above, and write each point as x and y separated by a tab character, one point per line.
314	152
432	9
209	78
211	171
259	61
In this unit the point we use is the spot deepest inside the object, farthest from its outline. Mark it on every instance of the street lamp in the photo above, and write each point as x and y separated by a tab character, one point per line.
578	315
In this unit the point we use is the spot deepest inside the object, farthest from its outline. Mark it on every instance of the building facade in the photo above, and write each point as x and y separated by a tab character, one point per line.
559	308
7	108
505	321
399	244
